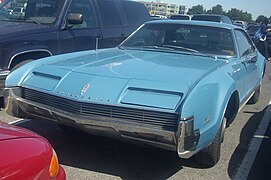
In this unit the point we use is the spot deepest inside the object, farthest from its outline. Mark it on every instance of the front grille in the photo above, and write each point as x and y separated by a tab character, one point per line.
155	119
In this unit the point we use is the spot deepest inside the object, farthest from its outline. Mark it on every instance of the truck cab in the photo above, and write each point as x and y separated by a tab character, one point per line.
51	27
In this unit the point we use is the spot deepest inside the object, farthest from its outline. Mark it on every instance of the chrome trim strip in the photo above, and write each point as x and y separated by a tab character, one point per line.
28	51
248	98
187	138
4	73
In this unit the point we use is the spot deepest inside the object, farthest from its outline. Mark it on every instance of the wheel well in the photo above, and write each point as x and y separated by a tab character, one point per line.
264	68
28	56
232	108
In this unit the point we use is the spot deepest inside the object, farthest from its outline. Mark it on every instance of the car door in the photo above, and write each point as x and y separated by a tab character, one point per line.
248	57
112	23
81	36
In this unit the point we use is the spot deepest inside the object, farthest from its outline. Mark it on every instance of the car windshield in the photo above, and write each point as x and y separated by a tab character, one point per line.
31	11
182	37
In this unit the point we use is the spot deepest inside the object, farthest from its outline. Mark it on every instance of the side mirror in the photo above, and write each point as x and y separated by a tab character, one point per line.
75	18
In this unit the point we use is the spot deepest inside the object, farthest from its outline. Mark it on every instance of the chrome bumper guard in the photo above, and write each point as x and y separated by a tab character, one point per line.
184	141
188	138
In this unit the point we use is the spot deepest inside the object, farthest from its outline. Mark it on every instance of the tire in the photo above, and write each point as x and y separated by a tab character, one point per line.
211	154
20	64
256	96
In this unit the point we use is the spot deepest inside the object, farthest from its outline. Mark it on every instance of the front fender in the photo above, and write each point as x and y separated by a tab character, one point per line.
261	62
16	77
207	102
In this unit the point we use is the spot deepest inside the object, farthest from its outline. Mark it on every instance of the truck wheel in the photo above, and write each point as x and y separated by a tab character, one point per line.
20	64
211	154
256	96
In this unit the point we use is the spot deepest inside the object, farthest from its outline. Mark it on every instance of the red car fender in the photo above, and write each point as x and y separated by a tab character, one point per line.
25	158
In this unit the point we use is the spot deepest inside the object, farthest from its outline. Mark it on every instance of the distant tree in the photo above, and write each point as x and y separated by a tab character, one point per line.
260	18
196	10
216	10
247	17
236	14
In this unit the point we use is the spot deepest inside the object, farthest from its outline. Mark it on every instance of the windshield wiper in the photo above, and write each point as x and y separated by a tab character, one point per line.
181	47
145	47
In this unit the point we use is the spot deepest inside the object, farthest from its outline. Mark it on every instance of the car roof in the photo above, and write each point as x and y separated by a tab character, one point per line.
217	15
198	23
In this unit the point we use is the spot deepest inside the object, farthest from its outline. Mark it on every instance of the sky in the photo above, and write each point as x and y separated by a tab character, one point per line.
255	7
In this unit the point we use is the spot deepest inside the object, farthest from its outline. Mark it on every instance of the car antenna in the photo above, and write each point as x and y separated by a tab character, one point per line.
97	42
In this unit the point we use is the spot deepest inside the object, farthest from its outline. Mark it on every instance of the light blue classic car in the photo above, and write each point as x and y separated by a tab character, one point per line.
171	84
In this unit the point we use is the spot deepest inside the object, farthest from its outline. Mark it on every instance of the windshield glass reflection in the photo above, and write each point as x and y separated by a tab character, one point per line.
31	11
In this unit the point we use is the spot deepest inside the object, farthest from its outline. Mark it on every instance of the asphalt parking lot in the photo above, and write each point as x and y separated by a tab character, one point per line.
261	166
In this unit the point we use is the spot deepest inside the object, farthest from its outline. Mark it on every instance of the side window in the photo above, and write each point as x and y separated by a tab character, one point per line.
83	7
135	12
245	45
225	19
110	16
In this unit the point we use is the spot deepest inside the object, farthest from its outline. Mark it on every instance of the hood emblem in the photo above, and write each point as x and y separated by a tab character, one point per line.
84	89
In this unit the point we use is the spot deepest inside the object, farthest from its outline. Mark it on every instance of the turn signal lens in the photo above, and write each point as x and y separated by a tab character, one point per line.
54	166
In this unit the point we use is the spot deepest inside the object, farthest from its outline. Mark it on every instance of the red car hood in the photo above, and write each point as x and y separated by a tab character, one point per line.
12	132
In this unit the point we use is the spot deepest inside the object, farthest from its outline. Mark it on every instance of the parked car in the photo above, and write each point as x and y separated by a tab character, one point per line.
18	11
239	23
172	84
158	17
26	155
51	27
180	17
211	17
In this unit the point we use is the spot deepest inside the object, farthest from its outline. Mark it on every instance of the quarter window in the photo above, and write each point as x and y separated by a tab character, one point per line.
109	13
136	13
245	46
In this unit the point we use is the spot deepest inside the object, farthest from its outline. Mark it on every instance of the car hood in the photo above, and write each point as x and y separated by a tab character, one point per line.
15	29
12	132
141	78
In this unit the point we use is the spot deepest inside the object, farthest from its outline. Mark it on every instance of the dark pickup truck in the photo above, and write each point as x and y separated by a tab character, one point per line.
50	27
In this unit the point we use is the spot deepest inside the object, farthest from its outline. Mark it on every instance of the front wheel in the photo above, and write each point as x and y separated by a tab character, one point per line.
211	154
256	96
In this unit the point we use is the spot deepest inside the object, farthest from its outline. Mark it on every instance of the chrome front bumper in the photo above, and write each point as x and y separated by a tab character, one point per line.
184	141
3	75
